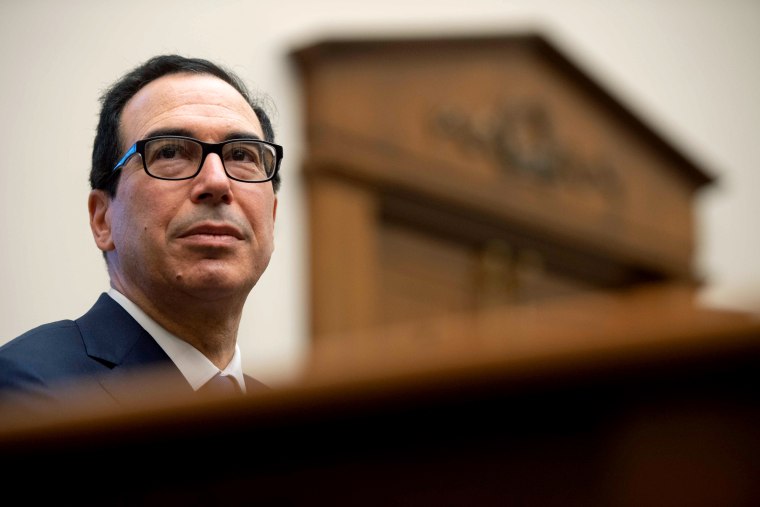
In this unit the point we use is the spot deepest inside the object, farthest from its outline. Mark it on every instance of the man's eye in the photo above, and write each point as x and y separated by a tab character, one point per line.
166	152
242	155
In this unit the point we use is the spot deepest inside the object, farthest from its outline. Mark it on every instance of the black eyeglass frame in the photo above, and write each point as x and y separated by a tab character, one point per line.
206	148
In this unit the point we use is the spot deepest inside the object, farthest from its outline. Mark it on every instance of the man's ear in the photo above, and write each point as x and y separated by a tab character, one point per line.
100	219
274	209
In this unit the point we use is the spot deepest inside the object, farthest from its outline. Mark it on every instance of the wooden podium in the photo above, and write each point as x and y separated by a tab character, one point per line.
651	401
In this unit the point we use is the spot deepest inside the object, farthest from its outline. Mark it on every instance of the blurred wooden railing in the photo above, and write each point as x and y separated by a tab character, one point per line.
639	397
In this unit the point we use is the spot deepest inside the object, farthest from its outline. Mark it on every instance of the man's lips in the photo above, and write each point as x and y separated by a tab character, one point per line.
213	232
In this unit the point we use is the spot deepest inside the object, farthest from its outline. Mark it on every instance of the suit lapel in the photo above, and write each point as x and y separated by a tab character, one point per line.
112	337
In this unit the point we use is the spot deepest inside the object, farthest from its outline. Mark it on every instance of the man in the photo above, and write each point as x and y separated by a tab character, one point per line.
184	179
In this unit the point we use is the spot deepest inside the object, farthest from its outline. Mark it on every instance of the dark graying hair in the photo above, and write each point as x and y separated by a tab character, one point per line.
107	148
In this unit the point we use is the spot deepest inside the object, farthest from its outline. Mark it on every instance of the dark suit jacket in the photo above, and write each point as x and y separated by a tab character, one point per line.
103	353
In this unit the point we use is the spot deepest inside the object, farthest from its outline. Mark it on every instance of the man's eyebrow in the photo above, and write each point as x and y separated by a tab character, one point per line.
241	135
187	133
169	132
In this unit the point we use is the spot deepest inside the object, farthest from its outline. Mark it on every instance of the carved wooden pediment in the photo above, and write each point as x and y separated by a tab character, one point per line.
500	143
508	119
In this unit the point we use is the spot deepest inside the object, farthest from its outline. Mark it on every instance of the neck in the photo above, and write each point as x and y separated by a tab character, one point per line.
211	326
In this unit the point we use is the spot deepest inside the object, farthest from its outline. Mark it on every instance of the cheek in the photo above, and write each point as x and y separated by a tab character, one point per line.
263	223
258	208
140	223
120	225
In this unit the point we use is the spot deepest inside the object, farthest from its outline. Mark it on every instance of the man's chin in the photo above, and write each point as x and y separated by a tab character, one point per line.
216	292
215	284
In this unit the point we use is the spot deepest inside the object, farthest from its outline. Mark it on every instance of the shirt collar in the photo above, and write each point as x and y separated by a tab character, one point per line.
193	365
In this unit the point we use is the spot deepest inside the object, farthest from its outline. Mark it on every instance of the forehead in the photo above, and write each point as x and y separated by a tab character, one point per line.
201	104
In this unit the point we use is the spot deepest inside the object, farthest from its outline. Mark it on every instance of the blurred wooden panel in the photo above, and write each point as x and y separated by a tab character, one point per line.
423	276
343	246
661	320
498	172
648	401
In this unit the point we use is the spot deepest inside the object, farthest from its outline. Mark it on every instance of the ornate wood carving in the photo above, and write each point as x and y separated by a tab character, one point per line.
498	172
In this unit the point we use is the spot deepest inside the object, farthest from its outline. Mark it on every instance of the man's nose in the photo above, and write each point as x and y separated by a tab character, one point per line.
211	184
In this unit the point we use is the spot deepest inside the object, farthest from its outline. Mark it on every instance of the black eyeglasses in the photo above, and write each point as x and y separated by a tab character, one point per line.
181	158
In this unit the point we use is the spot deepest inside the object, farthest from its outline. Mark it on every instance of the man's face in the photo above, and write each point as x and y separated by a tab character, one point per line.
208	237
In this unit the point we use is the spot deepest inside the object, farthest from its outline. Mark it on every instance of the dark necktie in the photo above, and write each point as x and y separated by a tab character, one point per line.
221	385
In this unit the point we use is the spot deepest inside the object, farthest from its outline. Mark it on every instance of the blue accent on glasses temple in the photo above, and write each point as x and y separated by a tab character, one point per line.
126	156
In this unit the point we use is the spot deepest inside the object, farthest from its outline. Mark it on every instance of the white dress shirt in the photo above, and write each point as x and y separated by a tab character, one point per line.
195	367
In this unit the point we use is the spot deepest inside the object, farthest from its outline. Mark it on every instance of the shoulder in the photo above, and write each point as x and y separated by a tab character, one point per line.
34	358
41	339
42	342
51	352
58	337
